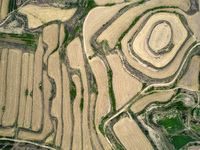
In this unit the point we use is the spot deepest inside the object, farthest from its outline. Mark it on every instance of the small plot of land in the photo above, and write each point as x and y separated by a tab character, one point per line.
3	69
155	97
13	86
37	93
93	23
77	140
67	116
24	88
54	71
131	135
45	14
103	102
29	100
125	86
191	78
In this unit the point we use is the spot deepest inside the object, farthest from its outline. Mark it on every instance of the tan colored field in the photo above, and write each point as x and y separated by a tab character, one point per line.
131	136
103	2
37	94
4	8
156	97
103	100
168	71
50	37
67	116
24	87
54	71
45	14
76	61
125	86
93	23
117	28
77	140
62	34
29	100
10	132
160	36
92	117
3	70
47	124
191	79
13	87
179	36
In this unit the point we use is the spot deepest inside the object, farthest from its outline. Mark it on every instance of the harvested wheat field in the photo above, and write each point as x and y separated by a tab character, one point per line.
99	74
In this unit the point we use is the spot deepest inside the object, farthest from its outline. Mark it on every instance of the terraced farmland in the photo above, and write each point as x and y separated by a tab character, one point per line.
99	74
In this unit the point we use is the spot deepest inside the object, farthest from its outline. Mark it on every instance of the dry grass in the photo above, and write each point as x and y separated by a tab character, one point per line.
167	71
191	79
131	135
67	118
92	117
3	69
76	61
117	28
4	8
94	21
38	16
50	37
29	100
10	132
37	94
47	125
103	101
13	87
54	72
160	36
156	97
125	86
24	84
179	36
77	144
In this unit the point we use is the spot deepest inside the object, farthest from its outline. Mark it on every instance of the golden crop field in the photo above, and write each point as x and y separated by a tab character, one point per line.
100	74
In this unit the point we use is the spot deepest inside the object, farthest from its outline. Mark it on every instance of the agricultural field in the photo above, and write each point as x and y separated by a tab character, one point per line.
100	74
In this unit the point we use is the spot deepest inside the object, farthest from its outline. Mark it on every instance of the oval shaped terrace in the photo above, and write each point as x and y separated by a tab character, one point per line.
160	37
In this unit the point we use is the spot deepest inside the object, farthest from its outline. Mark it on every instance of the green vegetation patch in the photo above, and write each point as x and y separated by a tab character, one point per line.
170	120
180	141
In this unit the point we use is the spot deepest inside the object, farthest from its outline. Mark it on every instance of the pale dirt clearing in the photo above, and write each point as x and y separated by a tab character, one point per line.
42	15
156	97
117	28
76	61
29	100
67	116
94	21
103	2
131	136
13	87
24	87
54	71
191	78
50	37
37	111
3	70
77	139
125	86
103	100
47	124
